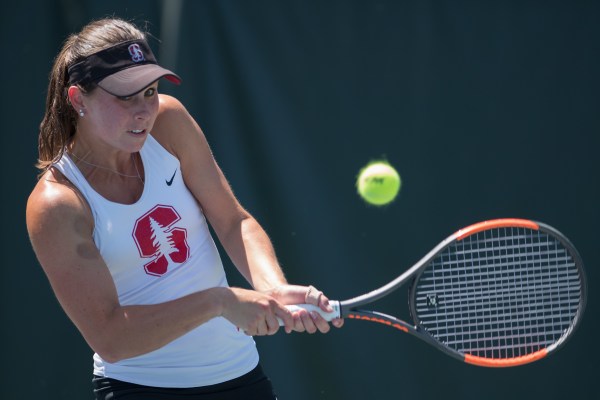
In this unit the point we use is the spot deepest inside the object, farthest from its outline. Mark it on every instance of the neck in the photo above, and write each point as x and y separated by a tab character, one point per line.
82	160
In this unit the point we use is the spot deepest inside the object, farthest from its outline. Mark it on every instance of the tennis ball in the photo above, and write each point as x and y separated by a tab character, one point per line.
378	183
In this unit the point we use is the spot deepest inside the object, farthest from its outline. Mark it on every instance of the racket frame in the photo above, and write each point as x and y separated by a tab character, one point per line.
350	308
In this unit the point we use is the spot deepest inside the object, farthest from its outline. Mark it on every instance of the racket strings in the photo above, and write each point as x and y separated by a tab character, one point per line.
500	293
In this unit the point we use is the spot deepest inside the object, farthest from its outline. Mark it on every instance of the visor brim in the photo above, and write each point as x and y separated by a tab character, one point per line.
131	81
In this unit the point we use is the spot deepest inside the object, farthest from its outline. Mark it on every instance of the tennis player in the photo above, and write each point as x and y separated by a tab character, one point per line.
119	223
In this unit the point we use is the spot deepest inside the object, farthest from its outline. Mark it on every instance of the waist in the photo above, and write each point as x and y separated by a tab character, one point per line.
212	353
253	382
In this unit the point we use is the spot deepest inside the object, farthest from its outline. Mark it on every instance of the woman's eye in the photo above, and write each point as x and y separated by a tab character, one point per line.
147	93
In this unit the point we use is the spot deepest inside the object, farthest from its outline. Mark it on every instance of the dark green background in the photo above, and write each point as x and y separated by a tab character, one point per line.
487	109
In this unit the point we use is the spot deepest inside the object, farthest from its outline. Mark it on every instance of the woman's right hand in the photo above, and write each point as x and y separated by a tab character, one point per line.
254	313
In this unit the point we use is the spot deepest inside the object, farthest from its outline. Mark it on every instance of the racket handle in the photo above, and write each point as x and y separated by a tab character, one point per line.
327	316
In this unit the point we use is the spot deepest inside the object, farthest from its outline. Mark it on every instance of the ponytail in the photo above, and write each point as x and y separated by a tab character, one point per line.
59	124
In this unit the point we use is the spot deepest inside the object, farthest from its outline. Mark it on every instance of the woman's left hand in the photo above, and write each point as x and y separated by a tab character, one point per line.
305	321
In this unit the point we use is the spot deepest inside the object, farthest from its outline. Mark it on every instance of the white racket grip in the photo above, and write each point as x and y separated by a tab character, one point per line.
327	316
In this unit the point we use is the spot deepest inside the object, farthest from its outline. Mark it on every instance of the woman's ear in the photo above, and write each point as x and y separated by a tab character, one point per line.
76	98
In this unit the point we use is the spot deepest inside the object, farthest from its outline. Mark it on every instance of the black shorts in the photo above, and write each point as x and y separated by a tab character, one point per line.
253	386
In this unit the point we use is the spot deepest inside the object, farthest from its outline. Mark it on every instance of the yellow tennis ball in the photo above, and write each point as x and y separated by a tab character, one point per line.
378	183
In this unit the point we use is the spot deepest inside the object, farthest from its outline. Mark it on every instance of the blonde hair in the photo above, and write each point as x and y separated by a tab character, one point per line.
58	127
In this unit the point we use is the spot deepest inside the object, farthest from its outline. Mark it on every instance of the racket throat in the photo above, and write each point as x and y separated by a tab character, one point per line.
381	318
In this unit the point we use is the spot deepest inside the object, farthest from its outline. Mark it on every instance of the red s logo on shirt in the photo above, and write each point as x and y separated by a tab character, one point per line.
158	239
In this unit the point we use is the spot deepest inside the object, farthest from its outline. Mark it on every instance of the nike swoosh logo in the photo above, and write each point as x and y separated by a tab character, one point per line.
170	181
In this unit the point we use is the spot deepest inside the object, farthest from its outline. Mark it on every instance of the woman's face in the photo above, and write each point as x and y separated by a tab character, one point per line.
121	123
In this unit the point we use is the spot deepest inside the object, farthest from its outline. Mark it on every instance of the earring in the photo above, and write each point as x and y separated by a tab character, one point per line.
81	113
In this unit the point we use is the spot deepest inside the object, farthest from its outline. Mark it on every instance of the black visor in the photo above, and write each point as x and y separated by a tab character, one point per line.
122	70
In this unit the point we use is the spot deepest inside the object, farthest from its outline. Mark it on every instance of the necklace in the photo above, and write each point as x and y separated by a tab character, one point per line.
112	170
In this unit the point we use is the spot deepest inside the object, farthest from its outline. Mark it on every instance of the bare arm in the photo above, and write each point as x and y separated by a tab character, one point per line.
243	238
60	228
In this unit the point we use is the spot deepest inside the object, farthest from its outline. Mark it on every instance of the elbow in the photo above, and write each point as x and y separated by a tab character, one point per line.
110	354
114	339
112	347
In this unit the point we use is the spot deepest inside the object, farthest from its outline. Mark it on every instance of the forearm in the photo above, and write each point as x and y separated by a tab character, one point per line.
130	331
253	254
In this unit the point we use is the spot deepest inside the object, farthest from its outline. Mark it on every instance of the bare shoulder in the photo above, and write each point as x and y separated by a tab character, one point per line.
60	226
169	105
174	127
53	194
179	133
55	208
172	114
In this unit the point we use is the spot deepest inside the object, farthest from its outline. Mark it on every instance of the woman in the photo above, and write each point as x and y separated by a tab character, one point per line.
118	221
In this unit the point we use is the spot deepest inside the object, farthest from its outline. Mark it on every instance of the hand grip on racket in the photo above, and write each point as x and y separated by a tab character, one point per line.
498	293
327	316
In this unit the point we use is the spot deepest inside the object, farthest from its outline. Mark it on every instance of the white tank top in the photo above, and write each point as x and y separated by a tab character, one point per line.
159	249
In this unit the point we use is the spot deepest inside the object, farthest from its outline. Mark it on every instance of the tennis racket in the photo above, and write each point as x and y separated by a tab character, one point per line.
498	293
